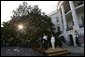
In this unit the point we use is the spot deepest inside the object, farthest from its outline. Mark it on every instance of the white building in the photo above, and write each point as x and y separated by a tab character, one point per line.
55	20
71	19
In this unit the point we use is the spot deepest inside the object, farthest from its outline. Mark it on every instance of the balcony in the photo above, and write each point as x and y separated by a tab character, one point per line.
69	28
78	3
81	25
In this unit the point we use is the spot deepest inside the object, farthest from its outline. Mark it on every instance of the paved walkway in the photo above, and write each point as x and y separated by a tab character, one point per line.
76	49
13	51
74	54
73	49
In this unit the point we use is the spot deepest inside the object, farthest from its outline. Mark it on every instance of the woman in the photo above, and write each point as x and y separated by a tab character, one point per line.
53	42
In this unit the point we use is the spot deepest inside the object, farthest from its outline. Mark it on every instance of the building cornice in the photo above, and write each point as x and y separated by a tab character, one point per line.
59	4
53	12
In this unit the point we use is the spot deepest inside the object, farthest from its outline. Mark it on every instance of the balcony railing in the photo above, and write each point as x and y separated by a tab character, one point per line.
80	3
81	25
69	28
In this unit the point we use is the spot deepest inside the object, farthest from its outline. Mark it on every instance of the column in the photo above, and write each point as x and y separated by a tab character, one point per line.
64	18
74	40
74	15
60	20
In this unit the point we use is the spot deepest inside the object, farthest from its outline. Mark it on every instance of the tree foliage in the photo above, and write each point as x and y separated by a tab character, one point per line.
35	23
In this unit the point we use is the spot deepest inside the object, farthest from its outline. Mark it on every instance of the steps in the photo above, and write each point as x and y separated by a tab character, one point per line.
55	52
58	54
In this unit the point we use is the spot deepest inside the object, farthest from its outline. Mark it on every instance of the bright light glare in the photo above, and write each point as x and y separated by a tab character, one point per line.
20	26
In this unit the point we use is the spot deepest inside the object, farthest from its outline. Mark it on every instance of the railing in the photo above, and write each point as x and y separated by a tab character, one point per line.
80	3
81	38
67	42
60	31
81	26
67	11
69	28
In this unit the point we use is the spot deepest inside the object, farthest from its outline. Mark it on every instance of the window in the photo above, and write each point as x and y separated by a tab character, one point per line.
72	23
82	18
58	29
82	24
57	19
81	2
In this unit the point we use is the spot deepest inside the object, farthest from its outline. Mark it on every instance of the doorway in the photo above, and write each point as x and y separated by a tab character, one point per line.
71	40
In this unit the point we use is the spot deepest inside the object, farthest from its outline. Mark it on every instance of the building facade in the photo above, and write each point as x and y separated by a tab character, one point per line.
71	21
55	20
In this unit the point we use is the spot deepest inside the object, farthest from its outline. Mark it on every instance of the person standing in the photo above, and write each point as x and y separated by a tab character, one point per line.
45	41
53	42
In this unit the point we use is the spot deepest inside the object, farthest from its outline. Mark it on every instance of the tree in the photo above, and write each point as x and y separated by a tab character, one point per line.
35	23
7	34
33	19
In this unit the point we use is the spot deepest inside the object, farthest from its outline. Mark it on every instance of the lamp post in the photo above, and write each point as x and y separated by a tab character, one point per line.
20	27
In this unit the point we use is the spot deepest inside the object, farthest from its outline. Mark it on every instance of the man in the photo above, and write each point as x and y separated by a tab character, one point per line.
45	41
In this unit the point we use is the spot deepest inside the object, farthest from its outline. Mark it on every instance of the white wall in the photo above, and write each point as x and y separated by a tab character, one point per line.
79	17
54	20
69	22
